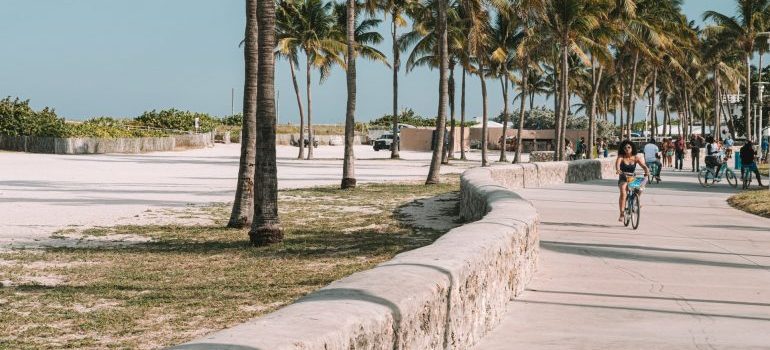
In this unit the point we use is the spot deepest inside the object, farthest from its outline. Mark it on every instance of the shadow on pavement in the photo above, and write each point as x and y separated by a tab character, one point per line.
730	302
595	250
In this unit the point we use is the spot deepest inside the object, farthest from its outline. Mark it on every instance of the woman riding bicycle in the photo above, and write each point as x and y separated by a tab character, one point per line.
626	163
713	154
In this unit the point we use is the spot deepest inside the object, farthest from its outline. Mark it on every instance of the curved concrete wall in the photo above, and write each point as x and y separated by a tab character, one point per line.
443	296
98	145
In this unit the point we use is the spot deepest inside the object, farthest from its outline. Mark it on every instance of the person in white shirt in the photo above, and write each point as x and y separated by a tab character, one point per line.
651	156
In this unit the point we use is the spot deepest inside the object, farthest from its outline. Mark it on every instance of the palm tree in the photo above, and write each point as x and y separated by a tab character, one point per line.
348	167
314	32
396	8
241	214
435	164
504	37
742	30
287	34
266	228
570	22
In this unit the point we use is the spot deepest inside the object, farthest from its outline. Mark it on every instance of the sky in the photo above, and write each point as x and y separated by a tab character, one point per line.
117	58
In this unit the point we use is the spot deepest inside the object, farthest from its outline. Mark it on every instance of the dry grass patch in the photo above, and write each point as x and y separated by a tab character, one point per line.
183	282
754	201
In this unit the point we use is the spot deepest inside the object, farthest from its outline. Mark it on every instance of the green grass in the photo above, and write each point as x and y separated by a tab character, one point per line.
188	281
755	202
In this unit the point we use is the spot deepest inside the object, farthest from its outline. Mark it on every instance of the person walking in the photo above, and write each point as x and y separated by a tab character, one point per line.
679	147
765	146
568	151
651	157
695	145
605	147
668	148
748	161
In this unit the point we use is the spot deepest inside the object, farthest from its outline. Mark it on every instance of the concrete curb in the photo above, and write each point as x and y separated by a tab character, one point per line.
443	296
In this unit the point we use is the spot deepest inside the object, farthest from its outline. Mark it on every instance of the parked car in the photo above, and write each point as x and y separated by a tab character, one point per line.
306	142
384	142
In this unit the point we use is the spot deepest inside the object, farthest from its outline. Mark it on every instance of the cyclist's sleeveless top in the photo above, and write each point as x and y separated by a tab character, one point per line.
626	168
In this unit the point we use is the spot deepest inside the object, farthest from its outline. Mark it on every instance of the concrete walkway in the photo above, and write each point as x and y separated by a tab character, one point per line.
695	275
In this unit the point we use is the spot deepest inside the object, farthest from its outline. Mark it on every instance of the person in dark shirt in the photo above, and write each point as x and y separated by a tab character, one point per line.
748	161
695	145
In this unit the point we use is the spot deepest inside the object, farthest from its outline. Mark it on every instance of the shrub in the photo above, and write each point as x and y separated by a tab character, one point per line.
408	116
174	119
17	118
233	120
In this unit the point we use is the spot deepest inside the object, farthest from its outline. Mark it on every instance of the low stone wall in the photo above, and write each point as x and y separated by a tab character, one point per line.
331	140
97	145
447	295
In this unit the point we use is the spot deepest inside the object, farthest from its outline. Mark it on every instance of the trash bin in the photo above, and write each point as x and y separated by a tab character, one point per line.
737	156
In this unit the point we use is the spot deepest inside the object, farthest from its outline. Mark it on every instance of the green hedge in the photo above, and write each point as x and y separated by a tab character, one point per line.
18	119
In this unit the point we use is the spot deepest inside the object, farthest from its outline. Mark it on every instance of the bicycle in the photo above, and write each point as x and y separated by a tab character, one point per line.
633	211
708	176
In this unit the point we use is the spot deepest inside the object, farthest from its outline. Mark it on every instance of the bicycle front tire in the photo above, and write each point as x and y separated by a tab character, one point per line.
636	211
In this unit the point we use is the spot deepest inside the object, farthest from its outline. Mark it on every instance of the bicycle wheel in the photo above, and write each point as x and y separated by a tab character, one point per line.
636	211
706	177
731	178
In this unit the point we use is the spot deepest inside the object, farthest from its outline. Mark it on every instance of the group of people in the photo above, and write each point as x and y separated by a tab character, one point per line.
716	154
580	150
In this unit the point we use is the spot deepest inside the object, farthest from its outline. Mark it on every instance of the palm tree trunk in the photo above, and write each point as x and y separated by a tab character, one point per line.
523	102
632	98
747	109
653	106
349	161
309	112
266	228
592	117
445	154
396	145
435	163
451	152
504	87
688	110
532	100
564	97
666	115
462	118
243	209
301	112
484	117
717	96
622	106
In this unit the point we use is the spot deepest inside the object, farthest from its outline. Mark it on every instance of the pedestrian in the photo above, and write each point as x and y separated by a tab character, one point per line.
568	151
765	147
599	149
695	145
668	146
679	147
605	147
748	161
580	148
